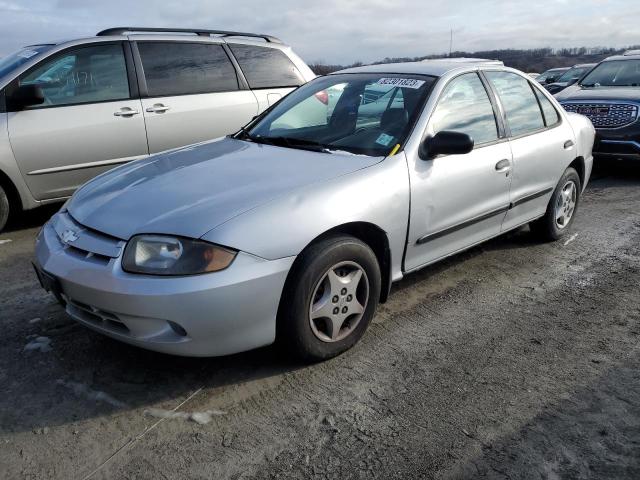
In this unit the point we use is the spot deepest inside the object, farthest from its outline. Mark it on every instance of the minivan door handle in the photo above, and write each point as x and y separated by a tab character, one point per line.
157	108
568	144
126	112
503	166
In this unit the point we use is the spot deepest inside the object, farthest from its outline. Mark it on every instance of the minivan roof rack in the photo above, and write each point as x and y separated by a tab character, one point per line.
196	31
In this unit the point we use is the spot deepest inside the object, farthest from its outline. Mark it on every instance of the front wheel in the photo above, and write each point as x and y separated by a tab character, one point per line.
330	299
561	209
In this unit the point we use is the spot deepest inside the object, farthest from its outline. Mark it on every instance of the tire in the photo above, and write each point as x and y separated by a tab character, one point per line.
4	208
563	203
326	275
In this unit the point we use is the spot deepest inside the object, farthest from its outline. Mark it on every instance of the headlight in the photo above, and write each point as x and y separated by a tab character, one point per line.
163	255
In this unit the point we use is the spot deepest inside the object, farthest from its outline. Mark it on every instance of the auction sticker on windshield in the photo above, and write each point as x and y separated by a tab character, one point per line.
401	82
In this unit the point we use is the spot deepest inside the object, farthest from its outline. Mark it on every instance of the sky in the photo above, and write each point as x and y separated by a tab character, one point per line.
343	31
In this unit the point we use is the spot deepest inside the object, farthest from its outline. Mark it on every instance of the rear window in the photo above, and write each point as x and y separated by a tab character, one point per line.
176	68
266	67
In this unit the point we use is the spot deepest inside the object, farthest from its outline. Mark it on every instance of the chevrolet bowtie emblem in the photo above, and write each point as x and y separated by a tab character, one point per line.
69	236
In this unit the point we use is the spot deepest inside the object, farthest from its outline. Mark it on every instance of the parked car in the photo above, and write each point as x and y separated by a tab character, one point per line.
72	110
551	75
297	233
610	96
569	77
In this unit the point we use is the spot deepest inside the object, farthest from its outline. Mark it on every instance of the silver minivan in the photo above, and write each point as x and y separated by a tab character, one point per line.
72	110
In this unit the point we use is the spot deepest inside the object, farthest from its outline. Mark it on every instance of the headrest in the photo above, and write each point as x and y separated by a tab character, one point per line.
394	120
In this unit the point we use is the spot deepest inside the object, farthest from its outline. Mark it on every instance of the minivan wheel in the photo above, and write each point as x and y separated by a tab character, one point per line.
561	209
330	298
4	208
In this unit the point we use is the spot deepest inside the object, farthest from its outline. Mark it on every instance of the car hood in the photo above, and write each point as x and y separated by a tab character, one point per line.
578	93
192	190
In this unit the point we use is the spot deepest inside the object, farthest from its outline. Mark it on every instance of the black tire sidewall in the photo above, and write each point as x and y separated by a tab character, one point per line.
552	230
4	208
294	329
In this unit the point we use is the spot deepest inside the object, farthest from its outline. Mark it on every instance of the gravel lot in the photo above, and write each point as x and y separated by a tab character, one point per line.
513	360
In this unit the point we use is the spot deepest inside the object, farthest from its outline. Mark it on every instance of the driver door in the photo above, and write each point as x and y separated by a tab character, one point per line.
90	121
459	200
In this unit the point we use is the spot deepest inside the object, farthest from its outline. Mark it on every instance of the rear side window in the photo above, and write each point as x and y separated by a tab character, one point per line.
177	68
551	116
266	67
465	107
519	101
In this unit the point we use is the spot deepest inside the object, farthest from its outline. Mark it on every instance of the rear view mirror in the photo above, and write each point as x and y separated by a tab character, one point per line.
26	96
446	143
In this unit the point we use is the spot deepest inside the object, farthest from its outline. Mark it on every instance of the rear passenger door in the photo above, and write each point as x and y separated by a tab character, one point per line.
191	93
541	144
269	72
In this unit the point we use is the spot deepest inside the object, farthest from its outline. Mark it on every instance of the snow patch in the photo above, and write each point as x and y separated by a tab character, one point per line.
570	239
82	390
39	343
2	242
201	418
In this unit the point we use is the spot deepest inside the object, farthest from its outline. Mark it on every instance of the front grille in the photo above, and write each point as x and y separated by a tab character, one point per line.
85	243
606	115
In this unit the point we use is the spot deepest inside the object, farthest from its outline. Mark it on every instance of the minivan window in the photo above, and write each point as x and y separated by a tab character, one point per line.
179	68
465	107
87	74
266	67
519	101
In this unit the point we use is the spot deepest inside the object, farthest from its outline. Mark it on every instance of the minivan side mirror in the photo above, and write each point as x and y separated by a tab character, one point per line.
26	96
446	143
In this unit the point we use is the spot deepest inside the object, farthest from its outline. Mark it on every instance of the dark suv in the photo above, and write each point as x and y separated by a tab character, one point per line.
610	96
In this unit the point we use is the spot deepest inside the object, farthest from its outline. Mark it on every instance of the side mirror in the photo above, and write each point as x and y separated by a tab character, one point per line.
446	143
26	96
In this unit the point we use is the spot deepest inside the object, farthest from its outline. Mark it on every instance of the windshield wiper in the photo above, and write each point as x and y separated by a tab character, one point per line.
243	133
293	143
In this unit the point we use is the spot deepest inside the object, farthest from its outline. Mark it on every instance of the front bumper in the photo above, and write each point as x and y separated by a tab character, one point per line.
618	142
202	315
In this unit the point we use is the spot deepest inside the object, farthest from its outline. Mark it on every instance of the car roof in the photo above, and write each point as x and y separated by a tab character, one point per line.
184	34
628	56
433	68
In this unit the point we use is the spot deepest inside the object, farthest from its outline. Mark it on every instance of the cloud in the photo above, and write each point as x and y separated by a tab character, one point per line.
337	31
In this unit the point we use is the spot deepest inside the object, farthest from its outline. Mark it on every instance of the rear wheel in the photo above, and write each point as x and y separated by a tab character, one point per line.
4	208
561	209
330	298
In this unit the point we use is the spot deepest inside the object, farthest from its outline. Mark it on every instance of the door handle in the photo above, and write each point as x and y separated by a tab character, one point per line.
568	144
503	166
157	108
126	112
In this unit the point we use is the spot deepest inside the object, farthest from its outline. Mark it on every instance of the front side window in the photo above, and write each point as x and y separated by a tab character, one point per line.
573	74
614	73
359	113
96	73
180	68
266	67
465	107
520	103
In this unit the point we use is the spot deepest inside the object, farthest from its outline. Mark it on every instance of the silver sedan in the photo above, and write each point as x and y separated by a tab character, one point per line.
294	228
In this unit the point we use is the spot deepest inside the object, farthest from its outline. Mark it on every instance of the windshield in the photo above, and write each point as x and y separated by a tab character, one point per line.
13	61
614	73
574	73
368	114
553	73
